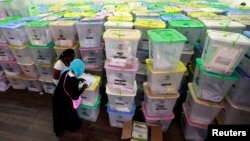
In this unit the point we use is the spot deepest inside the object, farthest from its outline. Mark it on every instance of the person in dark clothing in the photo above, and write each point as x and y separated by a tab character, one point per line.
65	117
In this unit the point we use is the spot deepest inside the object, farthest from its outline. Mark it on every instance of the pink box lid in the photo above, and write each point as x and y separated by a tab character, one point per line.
134	69
198	125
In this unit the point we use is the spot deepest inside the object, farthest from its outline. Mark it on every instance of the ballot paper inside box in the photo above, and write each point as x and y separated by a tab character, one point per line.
121	100
121	46
90	95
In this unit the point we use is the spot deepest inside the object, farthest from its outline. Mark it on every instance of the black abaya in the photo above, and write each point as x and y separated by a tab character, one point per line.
65	117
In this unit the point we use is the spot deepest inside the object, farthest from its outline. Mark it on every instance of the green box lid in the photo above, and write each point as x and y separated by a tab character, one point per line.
166	36
98	100
50	45
185	23
37	23
233	76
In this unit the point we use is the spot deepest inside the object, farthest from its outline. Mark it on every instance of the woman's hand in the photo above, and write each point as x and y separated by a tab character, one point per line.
84	86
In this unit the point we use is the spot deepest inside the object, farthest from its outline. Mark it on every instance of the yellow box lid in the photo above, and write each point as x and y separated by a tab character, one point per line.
29	78
201	14
72	14
150	24
203	102
94	86
181	68
122	34
120	18
63	48
172	9
18	47
123	9
158	96
63	23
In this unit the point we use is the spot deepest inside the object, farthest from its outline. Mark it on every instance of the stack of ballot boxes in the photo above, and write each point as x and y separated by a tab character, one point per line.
121	66
164	75
215	74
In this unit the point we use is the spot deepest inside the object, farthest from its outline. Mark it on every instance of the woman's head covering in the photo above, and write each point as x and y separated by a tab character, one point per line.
67	53
77	66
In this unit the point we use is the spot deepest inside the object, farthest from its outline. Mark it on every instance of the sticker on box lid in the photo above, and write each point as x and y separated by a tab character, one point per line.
225	57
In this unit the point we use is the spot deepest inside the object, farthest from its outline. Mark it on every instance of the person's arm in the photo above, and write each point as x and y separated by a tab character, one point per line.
72	87
56	74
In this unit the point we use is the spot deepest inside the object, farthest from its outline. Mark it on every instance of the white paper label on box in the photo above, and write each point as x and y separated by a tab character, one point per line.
225	57
89	41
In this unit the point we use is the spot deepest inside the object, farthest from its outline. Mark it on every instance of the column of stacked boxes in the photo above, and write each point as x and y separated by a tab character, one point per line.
5	56
238	100
144	21
16	37
91	51
164	75
41	45
64	35
214	76
121	66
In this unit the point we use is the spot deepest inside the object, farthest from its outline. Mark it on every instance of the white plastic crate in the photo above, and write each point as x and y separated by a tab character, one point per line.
238	93
38	33
223	51
11	68
234	113
90	113
32	83
163	82
90	95
159	105
48	85
4	83
121	46
201	111
16	82
45	70
164	121
120	78
210	86
118	25
5	53
15	34
64	33
92	57
223	25
117	119
59	50
29	70
189	28
89	33
22	54
43	54
165	48
192	130
120	100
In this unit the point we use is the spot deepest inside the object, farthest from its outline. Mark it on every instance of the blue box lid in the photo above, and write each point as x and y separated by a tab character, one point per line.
114	112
